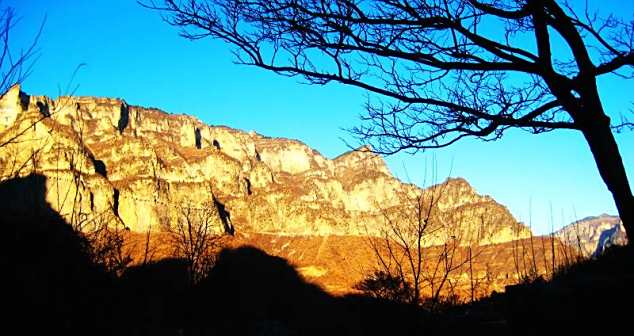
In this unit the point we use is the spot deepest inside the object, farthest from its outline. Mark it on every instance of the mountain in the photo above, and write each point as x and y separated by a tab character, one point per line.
101	161
593	234
142	166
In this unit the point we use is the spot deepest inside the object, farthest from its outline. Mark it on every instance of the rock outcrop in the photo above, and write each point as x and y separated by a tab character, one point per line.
104	156
593	234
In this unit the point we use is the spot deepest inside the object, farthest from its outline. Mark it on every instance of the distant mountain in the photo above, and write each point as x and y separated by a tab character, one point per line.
593	234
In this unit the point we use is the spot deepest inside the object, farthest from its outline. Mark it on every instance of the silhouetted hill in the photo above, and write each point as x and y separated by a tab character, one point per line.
53	281
591	297
56	288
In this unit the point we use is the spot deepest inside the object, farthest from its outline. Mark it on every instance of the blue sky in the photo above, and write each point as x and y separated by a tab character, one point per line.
130	53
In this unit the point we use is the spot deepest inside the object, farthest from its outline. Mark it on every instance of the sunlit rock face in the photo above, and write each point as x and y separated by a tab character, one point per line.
9	107
142	165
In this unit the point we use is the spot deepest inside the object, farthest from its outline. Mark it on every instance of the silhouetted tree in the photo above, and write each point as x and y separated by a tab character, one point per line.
106	238
195	235
440	70
383	285
418	249
14	67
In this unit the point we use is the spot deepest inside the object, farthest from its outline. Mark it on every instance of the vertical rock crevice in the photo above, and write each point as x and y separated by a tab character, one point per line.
100	166
198	138
44	109
247	184
225	217
25	101
115	204
124	118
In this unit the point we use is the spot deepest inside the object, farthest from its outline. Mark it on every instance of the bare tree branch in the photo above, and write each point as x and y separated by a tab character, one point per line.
15	67
438	70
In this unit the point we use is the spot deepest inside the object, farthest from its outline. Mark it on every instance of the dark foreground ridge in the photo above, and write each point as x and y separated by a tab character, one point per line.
58	289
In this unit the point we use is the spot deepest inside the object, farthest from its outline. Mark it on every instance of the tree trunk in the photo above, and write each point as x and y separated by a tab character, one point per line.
608	159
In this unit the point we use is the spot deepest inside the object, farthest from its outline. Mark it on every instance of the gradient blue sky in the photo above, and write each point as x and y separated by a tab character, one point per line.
130	53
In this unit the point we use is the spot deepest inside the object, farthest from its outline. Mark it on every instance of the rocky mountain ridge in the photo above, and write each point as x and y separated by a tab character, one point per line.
105	158
593	234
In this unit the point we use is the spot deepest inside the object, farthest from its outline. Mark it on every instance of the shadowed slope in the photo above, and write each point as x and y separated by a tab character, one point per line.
55	283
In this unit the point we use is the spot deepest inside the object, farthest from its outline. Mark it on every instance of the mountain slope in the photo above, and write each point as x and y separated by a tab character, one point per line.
142	166
593	234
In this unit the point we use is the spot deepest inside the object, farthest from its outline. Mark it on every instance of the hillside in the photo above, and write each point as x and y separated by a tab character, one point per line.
337	263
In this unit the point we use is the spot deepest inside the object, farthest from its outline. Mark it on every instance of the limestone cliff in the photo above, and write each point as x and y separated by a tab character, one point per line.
102	155
593	234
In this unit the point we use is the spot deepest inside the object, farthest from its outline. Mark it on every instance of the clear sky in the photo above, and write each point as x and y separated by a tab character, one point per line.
130	53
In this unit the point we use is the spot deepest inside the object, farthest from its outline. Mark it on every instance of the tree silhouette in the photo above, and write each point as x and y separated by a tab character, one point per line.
14	67
419	250
383	285
195	235
440	70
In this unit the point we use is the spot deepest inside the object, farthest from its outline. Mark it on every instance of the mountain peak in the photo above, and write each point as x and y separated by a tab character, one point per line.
11	105
13	91
362	158
458	181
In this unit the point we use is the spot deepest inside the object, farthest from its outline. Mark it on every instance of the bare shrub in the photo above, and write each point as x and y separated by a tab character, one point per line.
194	233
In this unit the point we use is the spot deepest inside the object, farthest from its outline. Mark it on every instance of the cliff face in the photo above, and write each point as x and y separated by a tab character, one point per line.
141	165
593	234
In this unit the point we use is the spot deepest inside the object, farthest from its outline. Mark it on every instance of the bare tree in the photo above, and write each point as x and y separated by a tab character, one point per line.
195	235
106	240
28	149
15	67
385	285
419	249
104	233
440	70
107	235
